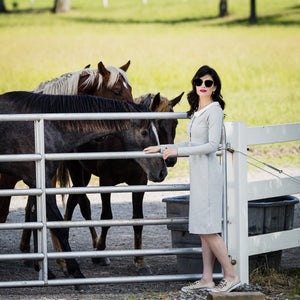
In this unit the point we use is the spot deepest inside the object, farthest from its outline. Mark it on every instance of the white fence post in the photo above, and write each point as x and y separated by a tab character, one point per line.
41	199
237	203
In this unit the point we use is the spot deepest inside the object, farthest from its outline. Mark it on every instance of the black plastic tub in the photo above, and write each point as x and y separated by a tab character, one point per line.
264	216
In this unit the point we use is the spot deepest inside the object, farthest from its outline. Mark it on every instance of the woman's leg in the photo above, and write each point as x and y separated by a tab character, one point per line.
206	281
217	246
208	262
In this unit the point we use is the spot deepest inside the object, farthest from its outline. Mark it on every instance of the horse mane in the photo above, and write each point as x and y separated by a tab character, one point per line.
28	102
164	104
67	84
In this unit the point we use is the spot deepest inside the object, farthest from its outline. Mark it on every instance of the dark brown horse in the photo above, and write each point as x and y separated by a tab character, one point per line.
112	172
64	136
108	82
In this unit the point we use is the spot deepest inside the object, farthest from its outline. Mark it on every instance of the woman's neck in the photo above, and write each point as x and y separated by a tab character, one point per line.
204	102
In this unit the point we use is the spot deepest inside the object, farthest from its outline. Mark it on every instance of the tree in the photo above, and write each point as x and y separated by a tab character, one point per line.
2	6
252	19
223	8
62	6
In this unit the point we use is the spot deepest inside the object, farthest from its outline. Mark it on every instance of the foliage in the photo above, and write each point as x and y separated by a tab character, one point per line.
286	282
166	41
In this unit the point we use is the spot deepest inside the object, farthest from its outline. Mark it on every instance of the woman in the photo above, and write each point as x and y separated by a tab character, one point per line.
206	184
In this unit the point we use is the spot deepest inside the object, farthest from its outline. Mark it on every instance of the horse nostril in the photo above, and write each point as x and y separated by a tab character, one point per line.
163	174
171	161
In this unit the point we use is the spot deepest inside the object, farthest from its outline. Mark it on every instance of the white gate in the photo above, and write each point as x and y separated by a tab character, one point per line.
240	246
40	192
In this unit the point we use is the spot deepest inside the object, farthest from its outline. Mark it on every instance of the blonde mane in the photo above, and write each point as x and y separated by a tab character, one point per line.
67	84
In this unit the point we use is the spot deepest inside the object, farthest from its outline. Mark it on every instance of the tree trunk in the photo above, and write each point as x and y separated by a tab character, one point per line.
253	19
2	7
223	8
62	6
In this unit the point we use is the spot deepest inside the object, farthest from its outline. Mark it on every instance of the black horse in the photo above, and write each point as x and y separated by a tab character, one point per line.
113	172
65	136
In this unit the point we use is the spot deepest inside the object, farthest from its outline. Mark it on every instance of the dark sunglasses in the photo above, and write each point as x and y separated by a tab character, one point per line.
198	82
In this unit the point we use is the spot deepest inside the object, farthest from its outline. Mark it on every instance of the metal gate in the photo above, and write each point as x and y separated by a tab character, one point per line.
42	225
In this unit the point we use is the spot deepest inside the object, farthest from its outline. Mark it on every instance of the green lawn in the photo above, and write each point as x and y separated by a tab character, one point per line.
166	42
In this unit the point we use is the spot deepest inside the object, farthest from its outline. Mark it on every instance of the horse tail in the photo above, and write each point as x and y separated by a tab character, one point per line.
63	179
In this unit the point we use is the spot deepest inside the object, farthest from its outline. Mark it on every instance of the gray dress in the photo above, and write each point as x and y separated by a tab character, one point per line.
206	182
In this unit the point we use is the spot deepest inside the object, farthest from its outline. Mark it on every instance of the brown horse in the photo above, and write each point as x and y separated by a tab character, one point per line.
108	82
63	137
112	172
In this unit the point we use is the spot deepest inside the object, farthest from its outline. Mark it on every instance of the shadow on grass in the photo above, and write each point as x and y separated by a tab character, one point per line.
272	19
27	11
137	21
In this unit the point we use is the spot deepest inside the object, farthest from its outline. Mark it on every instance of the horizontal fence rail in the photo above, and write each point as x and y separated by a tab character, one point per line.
40	157
93	116
94	223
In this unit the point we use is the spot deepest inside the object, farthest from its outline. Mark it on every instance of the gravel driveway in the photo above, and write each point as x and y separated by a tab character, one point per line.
118	238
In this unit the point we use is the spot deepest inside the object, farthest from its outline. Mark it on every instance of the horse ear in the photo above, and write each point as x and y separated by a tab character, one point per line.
176	100
125	67
88	66
147	101
103	71
156	102
127	106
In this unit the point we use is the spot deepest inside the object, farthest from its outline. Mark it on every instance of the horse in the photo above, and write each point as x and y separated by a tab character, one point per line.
105	81
112	172
64	136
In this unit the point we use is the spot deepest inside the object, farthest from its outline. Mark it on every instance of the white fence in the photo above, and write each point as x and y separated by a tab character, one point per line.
240	246
41	190
239	192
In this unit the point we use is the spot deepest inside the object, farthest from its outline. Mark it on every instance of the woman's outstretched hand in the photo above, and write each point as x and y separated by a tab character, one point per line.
167	152
170	152
152	149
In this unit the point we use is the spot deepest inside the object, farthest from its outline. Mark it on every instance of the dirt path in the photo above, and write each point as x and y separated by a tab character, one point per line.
118	238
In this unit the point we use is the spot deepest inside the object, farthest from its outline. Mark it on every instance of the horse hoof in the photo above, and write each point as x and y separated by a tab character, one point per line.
82	288
51	275
102	261
144	271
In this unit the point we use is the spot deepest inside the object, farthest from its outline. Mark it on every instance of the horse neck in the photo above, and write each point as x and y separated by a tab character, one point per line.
68	139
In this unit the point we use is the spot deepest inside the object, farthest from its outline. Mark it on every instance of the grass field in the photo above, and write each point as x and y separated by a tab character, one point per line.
166	42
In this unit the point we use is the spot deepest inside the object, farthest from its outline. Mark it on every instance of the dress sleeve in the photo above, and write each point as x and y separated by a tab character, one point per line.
163	147
215	124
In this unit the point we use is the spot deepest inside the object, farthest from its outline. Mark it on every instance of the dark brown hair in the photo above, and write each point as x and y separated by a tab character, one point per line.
193	97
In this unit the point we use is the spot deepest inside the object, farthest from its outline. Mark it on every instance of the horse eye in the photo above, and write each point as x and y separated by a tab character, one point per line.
144	132
117	93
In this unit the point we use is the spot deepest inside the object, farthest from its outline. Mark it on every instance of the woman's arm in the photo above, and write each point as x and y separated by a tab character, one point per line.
215	124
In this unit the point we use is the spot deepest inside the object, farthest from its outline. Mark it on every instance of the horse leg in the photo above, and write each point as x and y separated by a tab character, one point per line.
62	234
9	182
80	177
26	233
137	207
139	178
105	215
53	214
6	182
32	217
